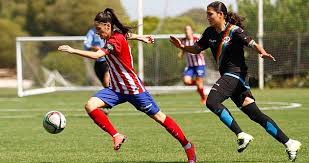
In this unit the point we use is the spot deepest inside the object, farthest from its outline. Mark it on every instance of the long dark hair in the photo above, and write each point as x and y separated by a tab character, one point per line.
109	16
230	17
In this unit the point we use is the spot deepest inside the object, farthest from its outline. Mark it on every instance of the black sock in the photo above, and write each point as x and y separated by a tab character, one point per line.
214	104
269	125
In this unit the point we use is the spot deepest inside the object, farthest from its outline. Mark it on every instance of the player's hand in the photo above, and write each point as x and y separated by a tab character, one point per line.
176	42
269	56
149	39
66	48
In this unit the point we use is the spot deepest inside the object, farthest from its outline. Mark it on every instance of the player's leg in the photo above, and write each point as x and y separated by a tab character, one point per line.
172	127
106	76
244	99
200	74
145	103
101	70
220	91
214	103
105	98
188	76
250	108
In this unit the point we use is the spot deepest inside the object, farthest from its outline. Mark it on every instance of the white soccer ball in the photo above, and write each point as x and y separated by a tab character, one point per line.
54	122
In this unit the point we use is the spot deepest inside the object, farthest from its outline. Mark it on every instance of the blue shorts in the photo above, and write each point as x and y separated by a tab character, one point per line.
195	71
142	102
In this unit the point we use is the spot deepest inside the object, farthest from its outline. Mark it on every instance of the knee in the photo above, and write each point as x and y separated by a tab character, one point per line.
187	82
159	117
247	101
89	107
254	113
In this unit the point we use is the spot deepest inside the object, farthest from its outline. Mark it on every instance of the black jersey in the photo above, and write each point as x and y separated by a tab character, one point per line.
227	47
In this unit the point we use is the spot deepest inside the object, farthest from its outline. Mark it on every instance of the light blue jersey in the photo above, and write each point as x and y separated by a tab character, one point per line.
92	39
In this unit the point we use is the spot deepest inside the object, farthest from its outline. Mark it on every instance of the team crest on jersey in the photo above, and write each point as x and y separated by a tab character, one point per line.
110	47
226	39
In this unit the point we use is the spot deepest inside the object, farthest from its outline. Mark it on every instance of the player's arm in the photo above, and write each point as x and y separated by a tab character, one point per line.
258	48
177	43
248	41
94	48
83	53
149	39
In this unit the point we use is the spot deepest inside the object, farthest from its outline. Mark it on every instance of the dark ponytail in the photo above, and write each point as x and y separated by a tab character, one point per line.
235	19
109	16
230	17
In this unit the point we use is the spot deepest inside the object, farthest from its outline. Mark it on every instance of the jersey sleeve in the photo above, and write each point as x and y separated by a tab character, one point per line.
113	45
243	37
202	43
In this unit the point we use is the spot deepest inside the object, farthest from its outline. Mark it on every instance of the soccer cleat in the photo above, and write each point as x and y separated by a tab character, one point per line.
191	154
118	140
243	140
292	147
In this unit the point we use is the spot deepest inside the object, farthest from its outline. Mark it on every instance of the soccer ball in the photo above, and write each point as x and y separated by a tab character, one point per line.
54	122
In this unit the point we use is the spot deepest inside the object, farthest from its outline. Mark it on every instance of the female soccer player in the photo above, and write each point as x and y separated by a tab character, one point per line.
195	70
226	39
95	43
125	85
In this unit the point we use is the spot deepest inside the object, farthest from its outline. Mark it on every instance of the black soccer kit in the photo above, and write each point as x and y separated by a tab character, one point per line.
227	49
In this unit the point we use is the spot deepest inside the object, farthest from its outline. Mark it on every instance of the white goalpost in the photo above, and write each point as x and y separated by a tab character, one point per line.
42	69
49	85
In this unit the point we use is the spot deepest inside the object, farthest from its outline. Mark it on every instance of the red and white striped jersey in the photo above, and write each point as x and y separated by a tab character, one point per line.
193	59
123	78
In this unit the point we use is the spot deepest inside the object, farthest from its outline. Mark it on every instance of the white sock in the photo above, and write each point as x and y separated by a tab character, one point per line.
188	146
288	143
240	134
115	135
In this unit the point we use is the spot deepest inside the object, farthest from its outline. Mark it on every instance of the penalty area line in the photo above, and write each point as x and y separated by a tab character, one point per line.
134	112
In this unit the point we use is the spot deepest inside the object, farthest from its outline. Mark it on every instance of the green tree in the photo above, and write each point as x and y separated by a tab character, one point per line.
67	17
8	31
282	16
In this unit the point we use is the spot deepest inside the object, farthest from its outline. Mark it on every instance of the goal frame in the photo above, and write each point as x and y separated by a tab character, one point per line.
21	92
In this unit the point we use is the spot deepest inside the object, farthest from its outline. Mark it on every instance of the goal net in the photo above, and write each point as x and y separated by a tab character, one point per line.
43	69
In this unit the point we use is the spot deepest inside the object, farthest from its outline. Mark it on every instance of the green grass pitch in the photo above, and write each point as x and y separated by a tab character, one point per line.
23	139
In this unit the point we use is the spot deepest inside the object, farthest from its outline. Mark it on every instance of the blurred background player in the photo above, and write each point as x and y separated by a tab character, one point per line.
125	86
94	43
226	39
194	71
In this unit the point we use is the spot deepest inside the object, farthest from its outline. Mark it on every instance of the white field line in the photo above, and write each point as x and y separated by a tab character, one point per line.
121	112
5	99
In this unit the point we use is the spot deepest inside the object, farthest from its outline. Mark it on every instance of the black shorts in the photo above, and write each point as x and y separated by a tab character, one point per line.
233	85
100	69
